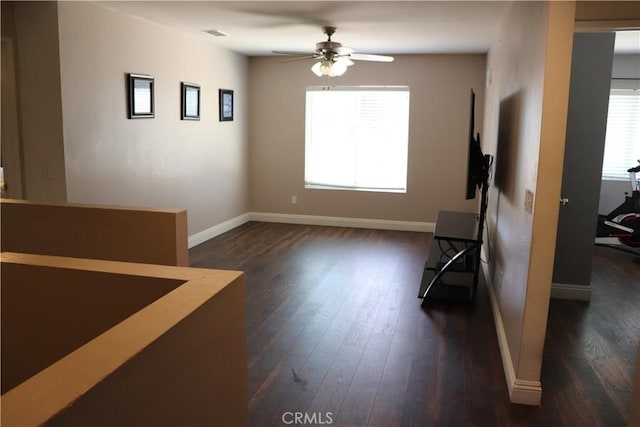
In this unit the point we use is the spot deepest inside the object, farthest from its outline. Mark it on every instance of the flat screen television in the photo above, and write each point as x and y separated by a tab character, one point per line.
475	159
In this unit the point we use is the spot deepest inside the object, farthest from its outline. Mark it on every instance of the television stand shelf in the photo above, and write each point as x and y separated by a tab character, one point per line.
452	267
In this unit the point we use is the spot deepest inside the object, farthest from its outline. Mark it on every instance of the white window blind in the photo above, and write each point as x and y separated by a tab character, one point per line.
357	138
622	142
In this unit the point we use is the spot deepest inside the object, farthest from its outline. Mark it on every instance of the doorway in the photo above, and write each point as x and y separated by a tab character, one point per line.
11	162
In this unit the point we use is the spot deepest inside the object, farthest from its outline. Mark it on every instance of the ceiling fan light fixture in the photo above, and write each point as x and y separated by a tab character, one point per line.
329	68
339	68
333	58
326	67
316	69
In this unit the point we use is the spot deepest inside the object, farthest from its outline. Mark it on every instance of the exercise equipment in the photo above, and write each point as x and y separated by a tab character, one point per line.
623	222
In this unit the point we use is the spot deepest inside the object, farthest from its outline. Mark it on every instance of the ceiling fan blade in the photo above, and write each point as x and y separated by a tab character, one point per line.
368	57
284	52
301	58
343	50
345	60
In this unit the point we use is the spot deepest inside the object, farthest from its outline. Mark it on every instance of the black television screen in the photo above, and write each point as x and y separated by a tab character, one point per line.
475	159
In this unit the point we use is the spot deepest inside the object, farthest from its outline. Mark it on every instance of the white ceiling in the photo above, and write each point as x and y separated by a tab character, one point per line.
381	27
391	27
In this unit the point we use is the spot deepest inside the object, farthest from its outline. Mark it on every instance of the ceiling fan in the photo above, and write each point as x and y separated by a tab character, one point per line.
333	58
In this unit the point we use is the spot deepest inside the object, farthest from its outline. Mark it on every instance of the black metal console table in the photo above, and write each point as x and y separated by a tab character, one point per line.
453	265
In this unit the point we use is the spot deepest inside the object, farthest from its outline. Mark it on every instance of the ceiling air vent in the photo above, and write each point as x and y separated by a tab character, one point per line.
216	33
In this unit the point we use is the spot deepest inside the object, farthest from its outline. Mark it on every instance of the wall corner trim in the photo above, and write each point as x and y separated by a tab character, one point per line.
524	392
571	292
216	230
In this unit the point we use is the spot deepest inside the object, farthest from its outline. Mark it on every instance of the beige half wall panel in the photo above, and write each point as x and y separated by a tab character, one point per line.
152	236
92	342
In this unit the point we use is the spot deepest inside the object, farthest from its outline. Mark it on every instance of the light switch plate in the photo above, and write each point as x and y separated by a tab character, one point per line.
528	201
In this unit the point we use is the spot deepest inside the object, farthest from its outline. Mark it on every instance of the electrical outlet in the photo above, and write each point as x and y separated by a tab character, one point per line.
294	200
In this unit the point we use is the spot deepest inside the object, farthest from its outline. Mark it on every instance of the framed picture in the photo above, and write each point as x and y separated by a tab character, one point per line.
140	96
190	101
226	105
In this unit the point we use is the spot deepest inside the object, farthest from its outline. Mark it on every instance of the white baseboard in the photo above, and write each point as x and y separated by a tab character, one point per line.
216	230
607	241
524	392
378	224
571	292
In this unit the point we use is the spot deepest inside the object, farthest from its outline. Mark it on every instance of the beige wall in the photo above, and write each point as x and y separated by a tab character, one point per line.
438	132
525	126
200	166
32	30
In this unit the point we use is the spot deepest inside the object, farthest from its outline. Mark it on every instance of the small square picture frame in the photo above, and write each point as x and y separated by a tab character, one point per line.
140	96
189	101
226	105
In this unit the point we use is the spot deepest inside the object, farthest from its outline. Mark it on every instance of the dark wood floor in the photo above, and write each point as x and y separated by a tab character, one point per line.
336	332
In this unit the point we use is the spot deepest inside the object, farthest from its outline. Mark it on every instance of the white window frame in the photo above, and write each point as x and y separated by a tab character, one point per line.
328	131
622	142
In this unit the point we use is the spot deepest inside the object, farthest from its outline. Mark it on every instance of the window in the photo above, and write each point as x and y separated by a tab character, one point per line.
622	143
357	138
